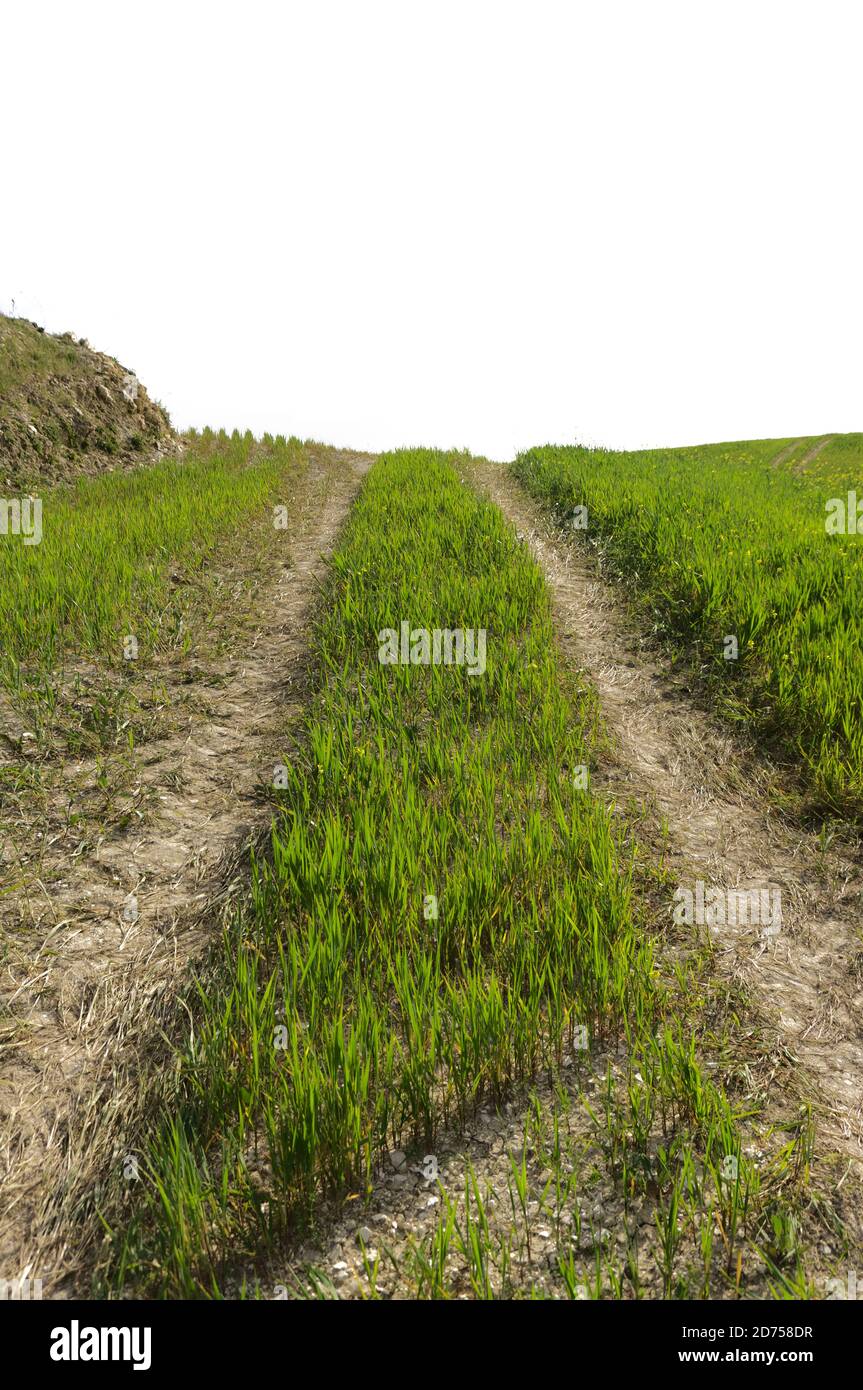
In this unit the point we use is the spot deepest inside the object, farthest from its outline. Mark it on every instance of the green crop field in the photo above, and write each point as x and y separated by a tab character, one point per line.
442	909
102	568
730	540
445	958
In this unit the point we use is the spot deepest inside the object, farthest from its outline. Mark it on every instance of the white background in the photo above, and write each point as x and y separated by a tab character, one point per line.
470	224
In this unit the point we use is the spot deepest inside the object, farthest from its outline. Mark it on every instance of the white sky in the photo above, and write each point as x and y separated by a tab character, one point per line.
482	225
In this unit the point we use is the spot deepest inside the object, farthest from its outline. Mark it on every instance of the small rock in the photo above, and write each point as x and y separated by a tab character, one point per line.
364	1235
397	1159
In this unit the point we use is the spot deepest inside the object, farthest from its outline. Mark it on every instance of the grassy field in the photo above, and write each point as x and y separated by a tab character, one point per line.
139	580
446	918
120	586
446	948
110	544
729	541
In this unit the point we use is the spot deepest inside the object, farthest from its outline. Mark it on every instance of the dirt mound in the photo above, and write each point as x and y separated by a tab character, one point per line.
66	409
